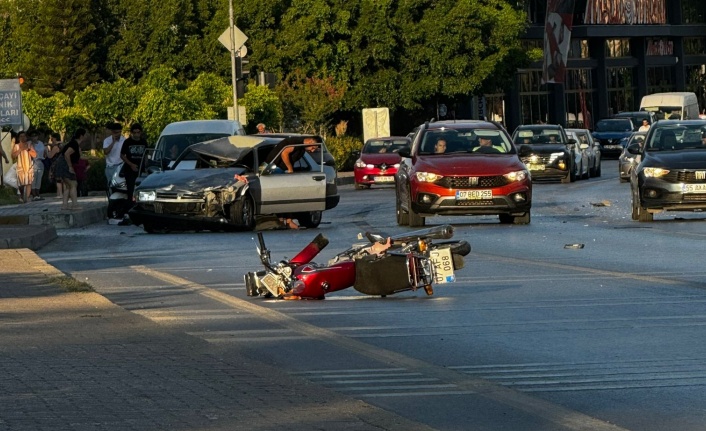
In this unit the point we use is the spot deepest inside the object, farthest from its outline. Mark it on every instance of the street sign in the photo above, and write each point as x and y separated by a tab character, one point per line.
10	102
236	43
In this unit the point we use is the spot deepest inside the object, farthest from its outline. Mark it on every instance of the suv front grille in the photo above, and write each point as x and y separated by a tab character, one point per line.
472	182
685	177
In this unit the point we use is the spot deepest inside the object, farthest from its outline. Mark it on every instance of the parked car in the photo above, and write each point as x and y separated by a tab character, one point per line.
613	134
593	150
207	195
479	173
671	175
627	161
636	117
548	153
378	161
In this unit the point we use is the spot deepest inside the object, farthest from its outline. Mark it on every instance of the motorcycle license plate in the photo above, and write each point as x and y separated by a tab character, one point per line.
443	265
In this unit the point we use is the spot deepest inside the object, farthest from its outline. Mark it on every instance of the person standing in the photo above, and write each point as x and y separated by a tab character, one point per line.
261	128
131	153
39	166
55	147
23	152
112	145
69	157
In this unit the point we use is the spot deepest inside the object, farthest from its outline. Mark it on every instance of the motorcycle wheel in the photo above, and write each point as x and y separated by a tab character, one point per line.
458	250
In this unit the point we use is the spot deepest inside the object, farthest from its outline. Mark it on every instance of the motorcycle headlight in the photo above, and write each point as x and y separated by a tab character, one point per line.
428	177
655	172
516	176
146	196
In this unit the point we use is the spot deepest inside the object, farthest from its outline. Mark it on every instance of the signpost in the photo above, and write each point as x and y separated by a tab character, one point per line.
10	111
233	39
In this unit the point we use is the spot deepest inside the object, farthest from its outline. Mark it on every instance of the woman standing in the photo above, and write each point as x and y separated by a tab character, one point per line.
23	152
68	157
55	147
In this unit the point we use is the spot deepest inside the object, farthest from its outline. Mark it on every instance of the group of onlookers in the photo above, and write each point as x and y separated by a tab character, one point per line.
32	158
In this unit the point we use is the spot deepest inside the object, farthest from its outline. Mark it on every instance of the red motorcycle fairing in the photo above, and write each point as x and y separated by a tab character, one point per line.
314	282
310	251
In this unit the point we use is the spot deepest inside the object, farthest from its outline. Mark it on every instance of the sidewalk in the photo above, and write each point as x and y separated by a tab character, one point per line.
75	361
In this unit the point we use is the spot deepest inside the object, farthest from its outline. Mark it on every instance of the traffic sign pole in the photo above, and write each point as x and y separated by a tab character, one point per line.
233	48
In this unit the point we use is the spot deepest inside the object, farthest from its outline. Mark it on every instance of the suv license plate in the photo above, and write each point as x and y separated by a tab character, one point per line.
693	188
471	195
443	265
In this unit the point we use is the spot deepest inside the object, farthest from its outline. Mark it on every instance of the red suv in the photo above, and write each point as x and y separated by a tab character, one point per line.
462	168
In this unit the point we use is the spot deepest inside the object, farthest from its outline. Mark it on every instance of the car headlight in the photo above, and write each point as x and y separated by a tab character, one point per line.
396	166
146	196
359	163
516	176
655	172
428	177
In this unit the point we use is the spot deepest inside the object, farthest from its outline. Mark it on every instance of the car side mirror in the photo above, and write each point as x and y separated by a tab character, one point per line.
405	152
572	141
525	150
634	149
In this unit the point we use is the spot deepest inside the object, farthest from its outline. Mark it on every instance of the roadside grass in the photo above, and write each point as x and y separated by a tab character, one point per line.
70	284
8	195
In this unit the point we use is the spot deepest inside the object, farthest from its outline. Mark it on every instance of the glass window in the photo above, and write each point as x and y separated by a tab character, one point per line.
696	83
621	90
693	11
618	47
534	97
579	49
495	107
579	95
660	79
694	45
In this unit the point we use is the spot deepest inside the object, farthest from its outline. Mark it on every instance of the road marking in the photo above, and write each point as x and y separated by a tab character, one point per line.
570	419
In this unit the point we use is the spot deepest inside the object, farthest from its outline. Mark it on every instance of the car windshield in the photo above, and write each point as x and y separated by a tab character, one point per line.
665	112
171	146
614	126
375	146
677	137
467	140
539	136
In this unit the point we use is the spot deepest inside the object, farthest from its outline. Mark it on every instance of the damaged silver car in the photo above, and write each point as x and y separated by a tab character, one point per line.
227	183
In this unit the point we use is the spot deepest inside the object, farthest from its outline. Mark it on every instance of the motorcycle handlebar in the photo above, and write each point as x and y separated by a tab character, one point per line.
439	232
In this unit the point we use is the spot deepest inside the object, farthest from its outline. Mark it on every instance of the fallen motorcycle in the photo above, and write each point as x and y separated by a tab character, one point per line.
409	261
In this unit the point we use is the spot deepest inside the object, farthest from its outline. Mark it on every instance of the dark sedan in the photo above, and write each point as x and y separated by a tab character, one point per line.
548	153
211	192
671	175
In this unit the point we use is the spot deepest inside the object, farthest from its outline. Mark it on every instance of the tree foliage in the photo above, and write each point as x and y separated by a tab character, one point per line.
263	106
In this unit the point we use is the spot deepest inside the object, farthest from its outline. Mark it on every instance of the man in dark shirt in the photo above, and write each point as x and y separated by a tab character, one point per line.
290	154
131	154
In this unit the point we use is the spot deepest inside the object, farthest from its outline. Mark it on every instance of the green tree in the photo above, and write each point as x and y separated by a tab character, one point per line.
61	45
311	102
263	105
109	102
212	93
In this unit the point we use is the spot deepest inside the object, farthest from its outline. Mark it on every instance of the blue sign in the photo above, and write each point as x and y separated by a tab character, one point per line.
10	102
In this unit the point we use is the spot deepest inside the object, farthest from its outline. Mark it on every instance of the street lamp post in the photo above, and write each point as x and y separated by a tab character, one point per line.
232	61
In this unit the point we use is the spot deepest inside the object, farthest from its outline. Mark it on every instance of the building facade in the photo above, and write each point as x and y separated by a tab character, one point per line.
620	50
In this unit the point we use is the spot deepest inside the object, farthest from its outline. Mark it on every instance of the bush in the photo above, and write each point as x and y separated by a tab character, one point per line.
96	173
341	148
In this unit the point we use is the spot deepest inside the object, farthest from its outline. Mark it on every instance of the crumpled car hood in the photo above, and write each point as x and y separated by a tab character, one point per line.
191	180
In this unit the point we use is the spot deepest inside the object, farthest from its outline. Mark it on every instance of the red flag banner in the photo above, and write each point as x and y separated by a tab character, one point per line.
625	12
557	40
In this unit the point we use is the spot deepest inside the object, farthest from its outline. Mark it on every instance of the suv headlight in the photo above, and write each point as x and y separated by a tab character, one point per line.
146	196
428	177
655	172
516	176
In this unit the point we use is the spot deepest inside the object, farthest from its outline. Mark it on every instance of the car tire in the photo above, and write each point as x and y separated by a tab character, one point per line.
506	218
415	220
359	186
242	213
310	220
624	180
572	174
587	175
639	213
402	216
148	227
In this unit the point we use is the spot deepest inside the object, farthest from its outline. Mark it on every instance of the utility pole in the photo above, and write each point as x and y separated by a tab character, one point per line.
233	49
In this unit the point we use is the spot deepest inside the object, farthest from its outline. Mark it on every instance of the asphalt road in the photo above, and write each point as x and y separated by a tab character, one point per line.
532	336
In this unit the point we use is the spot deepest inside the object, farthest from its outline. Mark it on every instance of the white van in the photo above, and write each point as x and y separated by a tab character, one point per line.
176	137
671	106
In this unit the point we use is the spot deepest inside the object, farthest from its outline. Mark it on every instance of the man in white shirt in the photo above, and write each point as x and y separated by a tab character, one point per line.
645	126
111	148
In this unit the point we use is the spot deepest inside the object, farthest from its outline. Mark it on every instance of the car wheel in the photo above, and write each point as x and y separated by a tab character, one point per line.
359	186
149	227
415	220
310	220
402	216
598	169
587	175
639	213
506	218
624	180
242	212
572	174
